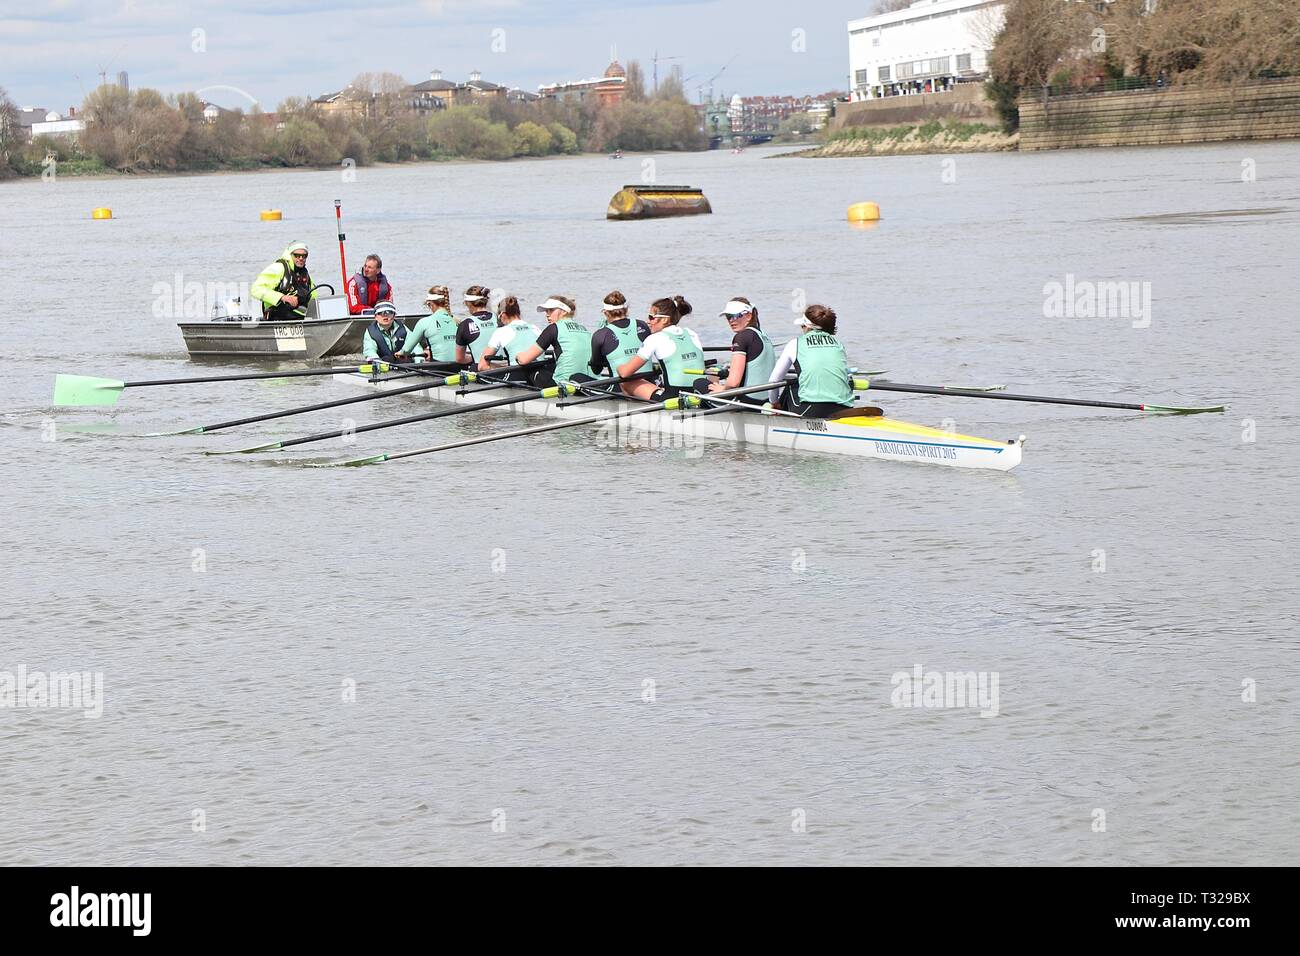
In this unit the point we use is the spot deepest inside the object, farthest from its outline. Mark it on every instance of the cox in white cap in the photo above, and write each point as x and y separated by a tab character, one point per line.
385	307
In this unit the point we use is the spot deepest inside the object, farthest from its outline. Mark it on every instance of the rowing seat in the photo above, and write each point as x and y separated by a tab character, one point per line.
857	411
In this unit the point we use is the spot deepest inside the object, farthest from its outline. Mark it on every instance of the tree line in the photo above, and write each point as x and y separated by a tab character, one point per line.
143	131
1045	43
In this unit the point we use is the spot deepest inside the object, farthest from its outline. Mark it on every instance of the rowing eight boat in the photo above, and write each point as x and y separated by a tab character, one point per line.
864	436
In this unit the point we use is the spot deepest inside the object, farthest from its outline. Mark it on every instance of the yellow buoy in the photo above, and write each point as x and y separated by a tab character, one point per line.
271	215
864	212
103	212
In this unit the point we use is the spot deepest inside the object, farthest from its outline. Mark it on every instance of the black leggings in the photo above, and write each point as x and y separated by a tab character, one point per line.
790	402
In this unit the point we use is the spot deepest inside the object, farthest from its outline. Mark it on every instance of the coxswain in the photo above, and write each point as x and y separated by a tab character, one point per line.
472	333
511	336
752	354
673	350
385	337
567	340
824	386
619	339
435	333
369	287
284	287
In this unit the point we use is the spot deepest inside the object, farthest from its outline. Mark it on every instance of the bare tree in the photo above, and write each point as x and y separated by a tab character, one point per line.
635	85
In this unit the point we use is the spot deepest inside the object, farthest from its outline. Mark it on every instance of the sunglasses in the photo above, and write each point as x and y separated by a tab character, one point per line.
739	315
657	315
300	255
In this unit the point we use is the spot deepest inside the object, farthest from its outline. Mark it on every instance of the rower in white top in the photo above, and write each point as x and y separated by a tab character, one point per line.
671	349
511	337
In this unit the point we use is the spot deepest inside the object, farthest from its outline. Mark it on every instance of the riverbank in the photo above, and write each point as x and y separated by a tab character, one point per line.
913	139
86	171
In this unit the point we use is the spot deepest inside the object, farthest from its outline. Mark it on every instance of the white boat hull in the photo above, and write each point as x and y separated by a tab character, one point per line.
863	437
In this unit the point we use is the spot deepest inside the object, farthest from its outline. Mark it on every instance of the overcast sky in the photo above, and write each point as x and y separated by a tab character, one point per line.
52	51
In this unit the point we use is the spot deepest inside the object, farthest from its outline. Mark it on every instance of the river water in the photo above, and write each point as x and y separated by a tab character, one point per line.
554	651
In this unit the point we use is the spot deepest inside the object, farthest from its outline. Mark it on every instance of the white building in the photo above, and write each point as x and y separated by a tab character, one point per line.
925	48
56	125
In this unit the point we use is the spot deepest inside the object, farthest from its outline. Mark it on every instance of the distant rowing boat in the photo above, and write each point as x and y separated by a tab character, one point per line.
861	436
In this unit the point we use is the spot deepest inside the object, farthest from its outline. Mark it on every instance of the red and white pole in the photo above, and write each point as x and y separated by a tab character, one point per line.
343	262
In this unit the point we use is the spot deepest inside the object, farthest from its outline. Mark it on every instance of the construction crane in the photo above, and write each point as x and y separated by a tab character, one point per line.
709	82
656	60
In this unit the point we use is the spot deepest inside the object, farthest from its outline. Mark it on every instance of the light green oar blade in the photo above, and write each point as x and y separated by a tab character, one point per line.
1184	410
86	390
352	462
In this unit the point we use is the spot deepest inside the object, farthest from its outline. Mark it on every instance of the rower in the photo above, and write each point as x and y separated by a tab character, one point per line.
568	341
752	355
672	349
436	332
472	334
619	339
385	337
511	336
825	386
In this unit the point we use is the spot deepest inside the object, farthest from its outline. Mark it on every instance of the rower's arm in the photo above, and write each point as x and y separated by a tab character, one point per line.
782	369
368	349
529	354
485	360
737	374
630	367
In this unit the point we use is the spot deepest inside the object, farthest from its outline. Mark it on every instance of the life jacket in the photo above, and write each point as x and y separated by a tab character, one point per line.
823	369
372	291
294	281
397	331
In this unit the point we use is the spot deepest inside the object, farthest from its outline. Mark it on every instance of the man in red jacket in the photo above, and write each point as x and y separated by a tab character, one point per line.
369	287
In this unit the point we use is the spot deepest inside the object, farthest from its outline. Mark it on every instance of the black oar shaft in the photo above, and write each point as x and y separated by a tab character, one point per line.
321	406
878	386
410	419
247	376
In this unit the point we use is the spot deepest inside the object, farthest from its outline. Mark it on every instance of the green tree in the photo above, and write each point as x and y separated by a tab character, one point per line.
532	139
466	131
11	136
302	142
563	139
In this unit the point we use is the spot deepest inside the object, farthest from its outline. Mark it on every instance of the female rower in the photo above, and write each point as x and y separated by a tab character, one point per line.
824	386
472	334
568	340
672	349
619	339
752	355
511	336
436	332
